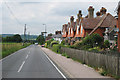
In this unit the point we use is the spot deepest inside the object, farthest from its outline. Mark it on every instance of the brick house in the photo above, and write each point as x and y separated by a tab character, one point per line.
65	31
90	24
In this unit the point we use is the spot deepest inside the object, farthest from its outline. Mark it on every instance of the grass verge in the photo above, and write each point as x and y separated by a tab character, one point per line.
9	48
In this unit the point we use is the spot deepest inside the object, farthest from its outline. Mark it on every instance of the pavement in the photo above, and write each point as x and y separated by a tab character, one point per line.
72	68
30	62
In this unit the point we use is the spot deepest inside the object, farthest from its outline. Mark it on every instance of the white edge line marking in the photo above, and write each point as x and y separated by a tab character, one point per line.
55	66
21	66
26	56
10	55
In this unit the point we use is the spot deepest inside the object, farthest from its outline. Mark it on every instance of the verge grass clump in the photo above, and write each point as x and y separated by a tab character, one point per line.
9	48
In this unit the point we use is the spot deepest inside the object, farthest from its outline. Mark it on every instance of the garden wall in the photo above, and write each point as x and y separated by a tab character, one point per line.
108	62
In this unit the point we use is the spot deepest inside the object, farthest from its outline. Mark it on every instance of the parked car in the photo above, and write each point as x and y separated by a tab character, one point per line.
43	45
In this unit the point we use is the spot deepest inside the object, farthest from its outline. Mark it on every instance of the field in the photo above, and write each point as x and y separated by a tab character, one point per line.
8	48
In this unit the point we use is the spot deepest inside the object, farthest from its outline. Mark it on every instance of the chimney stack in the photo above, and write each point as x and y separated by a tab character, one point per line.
79	15
91	12
98	13
103	11
72	19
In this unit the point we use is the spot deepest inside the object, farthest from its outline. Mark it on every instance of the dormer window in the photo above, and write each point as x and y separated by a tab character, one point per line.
81	29
77	29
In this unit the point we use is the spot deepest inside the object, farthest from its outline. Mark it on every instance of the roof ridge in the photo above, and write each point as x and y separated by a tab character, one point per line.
101	21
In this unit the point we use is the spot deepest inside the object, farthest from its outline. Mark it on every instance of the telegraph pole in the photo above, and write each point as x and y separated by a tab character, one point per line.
24	34
45	31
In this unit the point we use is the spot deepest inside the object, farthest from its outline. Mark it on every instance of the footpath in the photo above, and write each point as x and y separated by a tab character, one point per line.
72	68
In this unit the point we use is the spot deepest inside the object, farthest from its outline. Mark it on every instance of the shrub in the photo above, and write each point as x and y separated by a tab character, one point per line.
95	49
106	44
63	42
56	48
54	42
46	45
77	45
85	47
48	42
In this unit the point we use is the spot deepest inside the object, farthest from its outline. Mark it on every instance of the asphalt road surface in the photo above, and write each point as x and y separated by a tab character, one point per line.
30	62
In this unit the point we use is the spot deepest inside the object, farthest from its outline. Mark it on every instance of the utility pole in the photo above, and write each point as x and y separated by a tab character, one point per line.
45	31
24	34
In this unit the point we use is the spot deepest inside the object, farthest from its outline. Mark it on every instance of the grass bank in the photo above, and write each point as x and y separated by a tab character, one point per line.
9	48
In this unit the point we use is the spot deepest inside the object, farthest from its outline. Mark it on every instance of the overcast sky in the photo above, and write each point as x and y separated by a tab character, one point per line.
53	13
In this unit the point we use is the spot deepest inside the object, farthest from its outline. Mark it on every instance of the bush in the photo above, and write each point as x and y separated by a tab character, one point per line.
106	44
48	42
95	49
54	42
85	47
77	45
56	48
46	45
63	42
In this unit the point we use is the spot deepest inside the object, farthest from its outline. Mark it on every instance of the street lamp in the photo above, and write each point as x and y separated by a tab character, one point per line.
45	30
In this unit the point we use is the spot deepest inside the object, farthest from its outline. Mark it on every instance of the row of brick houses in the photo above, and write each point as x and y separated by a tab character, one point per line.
103	22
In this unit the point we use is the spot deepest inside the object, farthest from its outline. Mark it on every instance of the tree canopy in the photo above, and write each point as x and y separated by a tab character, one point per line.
41	39
14	38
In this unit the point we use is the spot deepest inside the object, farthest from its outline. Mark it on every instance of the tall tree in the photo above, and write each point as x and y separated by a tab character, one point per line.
41	39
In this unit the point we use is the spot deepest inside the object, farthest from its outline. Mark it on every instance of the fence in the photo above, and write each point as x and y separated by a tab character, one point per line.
108	62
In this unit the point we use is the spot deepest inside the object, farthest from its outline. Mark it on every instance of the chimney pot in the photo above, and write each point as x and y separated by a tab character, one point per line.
98	13
79	15
103	10
91	12
72	19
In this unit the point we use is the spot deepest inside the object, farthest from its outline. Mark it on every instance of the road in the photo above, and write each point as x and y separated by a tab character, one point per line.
30	62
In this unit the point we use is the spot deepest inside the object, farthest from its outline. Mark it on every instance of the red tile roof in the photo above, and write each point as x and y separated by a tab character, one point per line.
107	20
90	23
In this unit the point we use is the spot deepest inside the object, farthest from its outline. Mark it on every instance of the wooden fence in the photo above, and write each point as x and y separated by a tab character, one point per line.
108	62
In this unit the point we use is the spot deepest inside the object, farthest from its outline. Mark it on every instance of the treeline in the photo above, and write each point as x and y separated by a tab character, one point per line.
15	38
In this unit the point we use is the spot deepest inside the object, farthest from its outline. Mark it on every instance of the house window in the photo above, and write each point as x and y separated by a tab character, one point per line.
81	29
77	29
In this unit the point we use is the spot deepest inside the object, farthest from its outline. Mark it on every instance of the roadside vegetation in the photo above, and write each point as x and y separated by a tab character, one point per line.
10	44
9	48
40	39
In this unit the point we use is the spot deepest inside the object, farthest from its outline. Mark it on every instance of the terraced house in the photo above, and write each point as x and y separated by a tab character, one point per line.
75	30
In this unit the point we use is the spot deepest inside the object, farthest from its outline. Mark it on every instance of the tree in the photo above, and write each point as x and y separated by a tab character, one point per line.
96	39
14	38
41	39
106	44
17	38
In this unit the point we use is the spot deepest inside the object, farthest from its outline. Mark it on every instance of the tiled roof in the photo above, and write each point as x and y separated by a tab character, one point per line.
109	21
57	36
90	23
106	21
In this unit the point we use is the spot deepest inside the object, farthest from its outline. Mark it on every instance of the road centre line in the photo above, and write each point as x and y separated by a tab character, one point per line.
21	66
26	56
